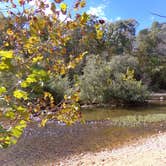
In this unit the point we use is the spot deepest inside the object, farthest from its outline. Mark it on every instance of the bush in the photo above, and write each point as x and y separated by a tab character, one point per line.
120	64
95	79
103	82
158	79
126	90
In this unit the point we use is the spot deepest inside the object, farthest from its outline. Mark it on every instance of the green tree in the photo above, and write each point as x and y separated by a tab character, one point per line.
151	54
95	79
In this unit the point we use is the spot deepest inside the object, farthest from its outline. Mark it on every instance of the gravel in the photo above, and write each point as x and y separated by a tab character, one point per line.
146	152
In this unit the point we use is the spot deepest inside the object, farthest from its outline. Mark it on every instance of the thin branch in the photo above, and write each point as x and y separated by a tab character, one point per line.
156	14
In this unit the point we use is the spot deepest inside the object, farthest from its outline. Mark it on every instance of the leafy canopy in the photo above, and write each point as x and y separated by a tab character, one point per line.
38	39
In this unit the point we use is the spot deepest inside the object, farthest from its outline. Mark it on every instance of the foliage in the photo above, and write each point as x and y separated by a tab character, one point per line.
58	87
120	64
95	79
151	54
38	41
124	88
120	36
40	55
158	78
105	81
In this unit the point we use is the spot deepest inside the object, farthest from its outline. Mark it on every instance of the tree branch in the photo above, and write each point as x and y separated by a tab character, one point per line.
156	14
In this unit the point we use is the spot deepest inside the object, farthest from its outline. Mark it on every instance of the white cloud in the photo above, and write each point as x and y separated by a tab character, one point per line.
98	11
48	11
36	3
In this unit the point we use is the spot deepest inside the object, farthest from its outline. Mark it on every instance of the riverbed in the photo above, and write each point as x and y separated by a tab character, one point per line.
104	128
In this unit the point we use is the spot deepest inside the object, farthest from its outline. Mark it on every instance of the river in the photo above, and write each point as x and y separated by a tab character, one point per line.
104	128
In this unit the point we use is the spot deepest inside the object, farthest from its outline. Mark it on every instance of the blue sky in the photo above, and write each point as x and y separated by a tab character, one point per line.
113	10
124	9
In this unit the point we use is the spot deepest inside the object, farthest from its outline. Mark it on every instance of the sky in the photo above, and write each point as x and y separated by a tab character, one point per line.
112	10
140	10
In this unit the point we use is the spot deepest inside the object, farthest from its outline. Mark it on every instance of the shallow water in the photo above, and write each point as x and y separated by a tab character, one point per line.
104	128
129	116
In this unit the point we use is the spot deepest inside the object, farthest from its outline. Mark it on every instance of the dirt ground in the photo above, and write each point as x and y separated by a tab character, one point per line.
146	152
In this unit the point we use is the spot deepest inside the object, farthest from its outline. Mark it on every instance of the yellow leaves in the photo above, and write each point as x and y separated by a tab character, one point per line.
43	122
17	130
2	90
6	44
75	97
31	44
10	114
63	7
37	58
21	109
33	39
30	79
129	75
12	134
76	60
10	32
39	72
60	68
44	39
37	75
84	18
69	112
71	65
79	4
99	34
4	66
82	3
49	95
6	55
19	94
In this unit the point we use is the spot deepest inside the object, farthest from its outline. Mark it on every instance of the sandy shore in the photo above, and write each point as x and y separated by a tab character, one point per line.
146	152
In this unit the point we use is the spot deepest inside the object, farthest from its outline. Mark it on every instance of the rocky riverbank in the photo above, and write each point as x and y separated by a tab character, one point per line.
145	152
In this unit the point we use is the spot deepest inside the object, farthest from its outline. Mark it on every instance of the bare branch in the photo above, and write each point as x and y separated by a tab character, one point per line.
156	14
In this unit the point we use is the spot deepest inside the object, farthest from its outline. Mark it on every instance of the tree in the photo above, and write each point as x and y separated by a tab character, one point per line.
120	36
39	39
151	53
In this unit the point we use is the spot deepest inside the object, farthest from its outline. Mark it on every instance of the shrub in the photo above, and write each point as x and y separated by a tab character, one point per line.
158	79
104	81
119	64
126	90
95	79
